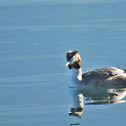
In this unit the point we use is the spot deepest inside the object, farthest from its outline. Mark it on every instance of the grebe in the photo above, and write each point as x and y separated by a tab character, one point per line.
101	76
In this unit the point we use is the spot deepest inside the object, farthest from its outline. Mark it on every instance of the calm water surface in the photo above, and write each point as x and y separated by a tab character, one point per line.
34	38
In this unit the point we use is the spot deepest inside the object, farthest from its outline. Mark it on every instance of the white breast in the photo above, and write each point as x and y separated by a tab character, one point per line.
75	78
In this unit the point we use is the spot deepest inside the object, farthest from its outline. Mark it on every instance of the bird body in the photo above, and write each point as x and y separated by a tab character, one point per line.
101	76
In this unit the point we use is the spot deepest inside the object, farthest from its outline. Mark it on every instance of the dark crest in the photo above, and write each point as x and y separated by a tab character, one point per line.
70	54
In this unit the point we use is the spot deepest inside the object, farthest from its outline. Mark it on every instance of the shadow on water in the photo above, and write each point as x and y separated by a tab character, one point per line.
95	95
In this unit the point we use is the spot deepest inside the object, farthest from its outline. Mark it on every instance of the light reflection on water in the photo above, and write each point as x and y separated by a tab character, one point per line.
95	95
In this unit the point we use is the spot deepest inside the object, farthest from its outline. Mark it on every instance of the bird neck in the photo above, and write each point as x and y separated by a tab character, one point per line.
75	77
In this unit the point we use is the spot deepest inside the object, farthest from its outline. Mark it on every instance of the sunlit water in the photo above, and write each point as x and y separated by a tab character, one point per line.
34	38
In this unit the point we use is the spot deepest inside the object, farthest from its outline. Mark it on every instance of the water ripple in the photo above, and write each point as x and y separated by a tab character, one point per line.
63	27
4	3
32	80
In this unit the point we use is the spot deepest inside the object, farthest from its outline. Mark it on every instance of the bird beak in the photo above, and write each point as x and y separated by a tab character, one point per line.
67	64
72	59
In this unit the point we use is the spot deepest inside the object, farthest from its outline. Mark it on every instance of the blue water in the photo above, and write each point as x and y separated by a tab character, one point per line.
34	38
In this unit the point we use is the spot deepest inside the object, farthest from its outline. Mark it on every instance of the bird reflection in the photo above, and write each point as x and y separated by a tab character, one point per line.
95	95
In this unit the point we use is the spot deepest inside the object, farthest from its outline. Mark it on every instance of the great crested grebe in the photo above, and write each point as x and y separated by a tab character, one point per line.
101	76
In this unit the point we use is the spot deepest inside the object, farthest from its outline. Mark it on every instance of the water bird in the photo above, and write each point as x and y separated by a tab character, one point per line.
101	76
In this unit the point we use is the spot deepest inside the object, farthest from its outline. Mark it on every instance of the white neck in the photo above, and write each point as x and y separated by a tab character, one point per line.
76	77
